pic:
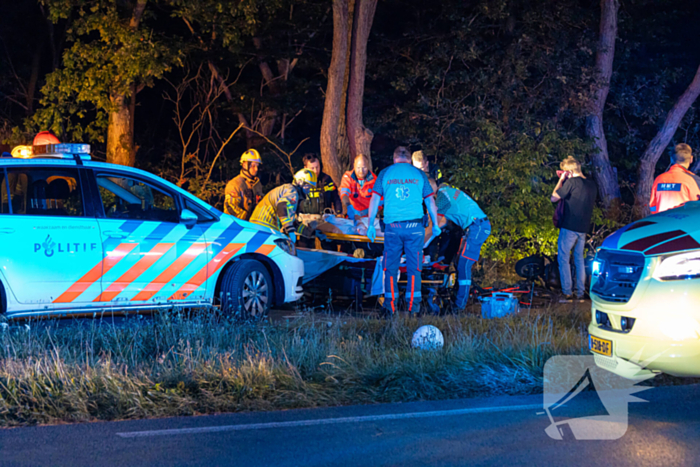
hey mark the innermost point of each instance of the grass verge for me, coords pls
(177, 364)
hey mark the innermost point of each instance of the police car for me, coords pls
(645, 293)
(79, 237)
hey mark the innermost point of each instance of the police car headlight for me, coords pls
(678, 267)
(286, 245)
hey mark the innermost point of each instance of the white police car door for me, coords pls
(50, 252)
(149, 254)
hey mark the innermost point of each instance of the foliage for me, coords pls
(493, 91)
(107, 57)
(650, 74)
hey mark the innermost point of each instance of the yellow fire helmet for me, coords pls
(306, 175)
(251, 155)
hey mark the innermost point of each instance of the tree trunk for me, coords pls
(653, 152)
(120, 129)
(342, 143)
(334, 92)
(359, 137)
(120, 132)
(605, 176)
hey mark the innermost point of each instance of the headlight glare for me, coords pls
(596, 267)
(680, 328)
(679, 267)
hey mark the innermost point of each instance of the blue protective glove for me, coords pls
(352, 212)
(436, 232)
(372, 232)
(293, 237)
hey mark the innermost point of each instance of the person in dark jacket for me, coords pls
(578, 194)
(325, 190)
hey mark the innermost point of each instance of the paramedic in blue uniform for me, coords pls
(455, 206)
(405, 188)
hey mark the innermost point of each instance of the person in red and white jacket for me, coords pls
(677, 185)
(356, 187)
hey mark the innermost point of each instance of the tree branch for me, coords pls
(657, 145)
(137, 15)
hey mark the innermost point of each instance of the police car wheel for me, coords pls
(247, 290)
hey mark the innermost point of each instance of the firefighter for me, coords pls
(244, 192)
(455, 206)
(405, 189)
(325, 193)
(677, 185)
(356, 187)
(278, 208)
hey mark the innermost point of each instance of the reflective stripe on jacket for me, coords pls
(674, 187)
(326, 189)
(278, 209)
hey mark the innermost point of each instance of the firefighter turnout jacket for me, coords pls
(242, 195)
(325, 195)
(674, 187)
(278, 209)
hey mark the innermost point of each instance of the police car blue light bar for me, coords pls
(63, 151)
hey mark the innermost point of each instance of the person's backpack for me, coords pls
(558, 216)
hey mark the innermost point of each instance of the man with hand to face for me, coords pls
(404, 189)
(578, 195)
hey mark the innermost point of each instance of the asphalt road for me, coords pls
(501, 431)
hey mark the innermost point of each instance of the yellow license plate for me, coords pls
(601, 346)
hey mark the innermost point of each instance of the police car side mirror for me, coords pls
(188, 218)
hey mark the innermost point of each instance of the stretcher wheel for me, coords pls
(246, 290)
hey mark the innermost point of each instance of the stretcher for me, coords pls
(345, 267)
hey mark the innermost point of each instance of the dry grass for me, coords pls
(185, 365)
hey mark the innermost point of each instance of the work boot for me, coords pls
(385, 313)
(566, 298)
(416, 309)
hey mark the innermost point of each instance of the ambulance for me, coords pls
(645, 294)
(80, 237)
